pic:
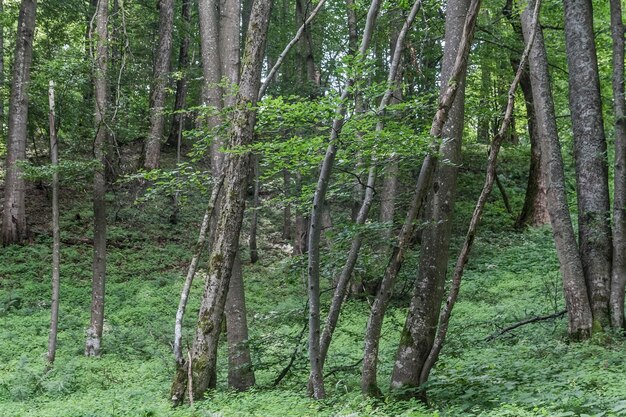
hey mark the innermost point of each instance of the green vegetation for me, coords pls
(531, 371)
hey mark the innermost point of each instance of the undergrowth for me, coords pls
(531, 371)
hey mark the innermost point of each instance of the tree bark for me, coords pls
(14, 229)
(181, 83)
(419, 329)
(287, 223)
(1, 71)
(256, 203)
(576, 300)
(618, 274)
(224, 248)
(56, 245)
(240, 370)
(594, 230)
(94, 332)
(159, 87)
(316, 377)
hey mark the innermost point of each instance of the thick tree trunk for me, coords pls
(181, 83)
(316, 378)
(594, 230)
(94, 332)
(56, 245)
(576, 300)
(208, 14)
(419, 329)
(240, 371)
(618, 274)
(159, 87)
(224, 248)
(14, 228)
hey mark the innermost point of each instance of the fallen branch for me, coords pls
(343, 368)
(522, 323)
(294, 354)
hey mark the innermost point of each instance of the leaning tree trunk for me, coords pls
(592, 183)
(159, 87)
(224, 249)
(14, 215)
(618, 274)
(576, 300)
(421, 322)
(340, 293)
(316, 378)
(94, 332)
(181, 83)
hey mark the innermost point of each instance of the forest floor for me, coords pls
(531, 371)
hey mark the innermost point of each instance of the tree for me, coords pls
(592, 178)
(419, 329)
(618, 274)
(14, 229)
(223, 252)
(94, 332)
(158, 92)
(576, 300)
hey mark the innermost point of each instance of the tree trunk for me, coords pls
(254, 222)
(159, 87)
(181, 83)
(419, 329)
(224, 248)
(208, 14)
(618, 275)
(576, 300)
(286, 232)
(2, 71)
(535, 209)
(94, 332)
(14, 228)
(240, 371)
(56, 245)
(594, 230)
(316, 377)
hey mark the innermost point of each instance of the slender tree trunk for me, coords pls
(287, 223)
(618, 275)
(316, 377)
(256, 203)
(576, 300)
(56, 245)
(2, 71)
(535, 209)
(592, 182)
(421, 322)
(159, 87)
(224, 249)
(94, 332)
(14, 228)
(300, 246)
(191, 272)
(181, 83)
